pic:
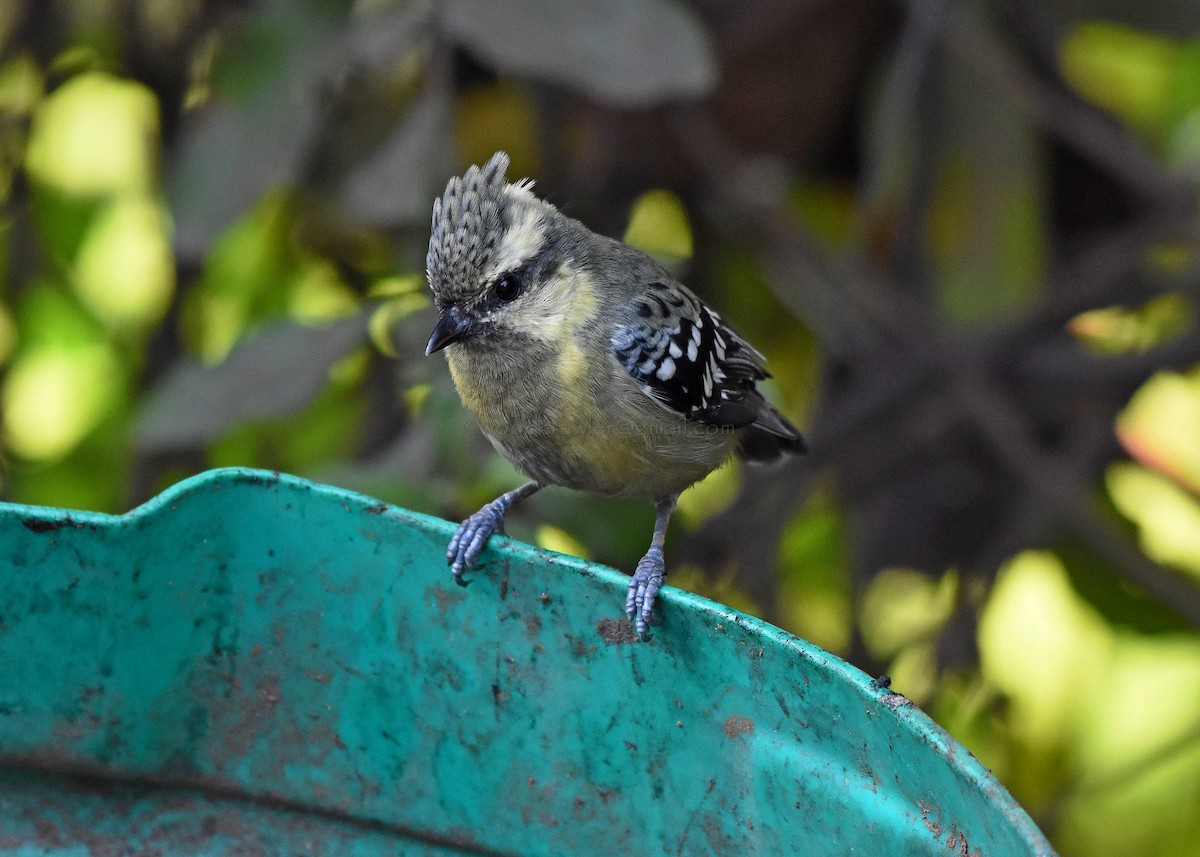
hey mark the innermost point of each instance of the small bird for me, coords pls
(586, 363)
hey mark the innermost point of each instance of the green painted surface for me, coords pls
(253, 655)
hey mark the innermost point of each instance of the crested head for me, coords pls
(483, 227)
(504, 266)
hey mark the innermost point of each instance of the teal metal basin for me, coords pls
(256, 664)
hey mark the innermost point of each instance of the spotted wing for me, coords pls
(684, 357)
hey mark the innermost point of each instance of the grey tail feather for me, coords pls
(769, 438)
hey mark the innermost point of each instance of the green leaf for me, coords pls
(1122, 70)
(986, 224)
(630, 53)
(394, 185)
(1110, 591)
(1161, 424)
(814, 579)
(272, 374)
(235, 150)
(658, 224)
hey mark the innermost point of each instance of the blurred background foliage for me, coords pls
(964, 233)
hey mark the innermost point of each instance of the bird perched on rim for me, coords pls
(586, 363)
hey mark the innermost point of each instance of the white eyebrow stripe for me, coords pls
(520, 243)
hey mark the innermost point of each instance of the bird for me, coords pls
(586, 364)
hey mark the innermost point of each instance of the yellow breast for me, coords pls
(571, 417)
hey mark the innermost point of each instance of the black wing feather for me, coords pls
(684, 357)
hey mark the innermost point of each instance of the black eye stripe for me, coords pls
(524, 277)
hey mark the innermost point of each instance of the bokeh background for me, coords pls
(964, 232)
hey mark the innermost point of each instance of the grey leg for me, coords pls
(648, 578)
(474, 532)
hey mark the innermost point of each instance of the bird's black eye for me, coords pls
(507, 287)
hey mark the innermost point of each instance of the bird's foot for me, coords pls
(643, 589)
(472, 535)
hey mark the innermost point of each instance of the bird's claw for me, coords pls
(469, 540)
(643, 589)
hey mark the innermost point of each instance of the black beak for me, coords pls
(452, 326)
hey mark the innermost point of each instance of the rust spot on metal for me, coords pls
(580, 648)
(615, 631)
(269, 691)
(719, 842)
(680, 849)
(935, 826)
(37, 525)
(445, 600)
(956, 841)
(377, 509)
(533, 625)
(256, 718)
(782, 703)
(735, 726)
(863, 756)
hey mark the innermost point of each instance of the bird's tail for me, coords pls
(769, 437)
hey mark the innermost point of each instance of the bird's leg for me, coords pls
(473, 533)
(648, 578)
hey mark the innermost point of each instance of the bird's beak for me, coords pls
(452, 326)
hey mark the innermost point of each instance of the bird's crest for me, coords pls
(468, 221)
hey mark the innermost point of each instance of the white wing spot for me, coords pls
(666, 371)
(693, 349)
(675, 350)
